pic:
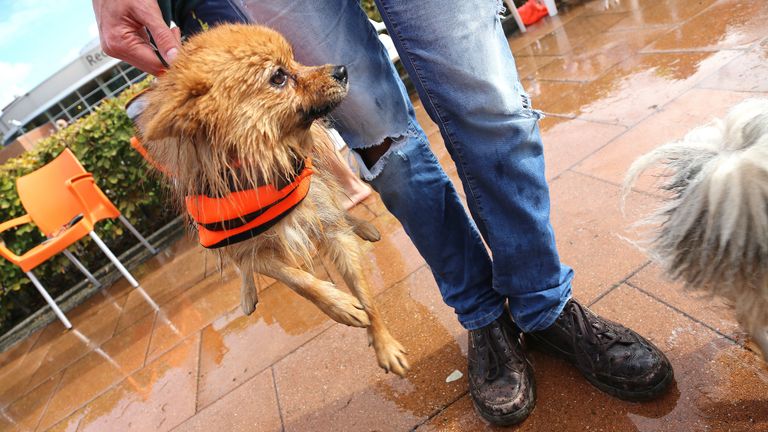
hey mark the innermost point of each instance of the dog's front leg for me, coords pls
(345, 253)
(249, 298)
(337, 304)
(364, 230)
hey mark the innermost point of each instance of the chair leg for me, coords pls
(81, 267)
(516, 15)
(49, 300)
(551, 7)
(136, 234)
(114, 259)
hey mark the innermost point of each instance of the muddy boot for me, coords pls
(612, 357)
(501, 379)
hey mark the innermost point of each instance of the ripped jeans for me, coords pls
(458, 58)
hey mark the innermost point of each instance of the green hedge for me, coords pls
(369, 6)
(101, 142)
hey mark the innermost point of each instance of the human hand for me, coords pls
(122, 31)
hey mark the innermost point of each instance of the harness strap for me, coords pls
(242, 215)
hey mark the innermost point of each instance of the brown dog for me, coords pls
(235, 112)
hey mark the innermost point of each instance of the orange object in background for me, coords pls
(532, 12)
(63, 200)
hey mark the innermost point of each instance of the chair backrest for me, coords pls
(51, 203)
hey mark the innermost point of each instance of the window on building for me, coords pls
(36, 122)
(133, 74)
(77, 109)
(55, 111)
(70, 100)
(93, 98)
(87, 88)
(116, 84)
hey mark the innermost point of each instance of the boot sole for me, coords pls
(512, 418)
(628, 395)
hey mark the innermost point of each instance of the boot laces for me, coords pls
(499, 351)
(597, 332)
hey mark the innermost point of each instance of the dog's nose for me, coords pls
(339, 73)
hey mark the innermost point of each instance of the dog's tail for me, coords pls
(712, 232)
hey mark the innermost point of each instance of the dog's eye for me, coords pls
(279, 78)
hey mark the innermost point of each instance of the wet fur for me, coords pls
(215, 118)
(713, 230)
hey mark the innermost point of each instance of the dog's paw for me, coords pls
(346, 309)
(390, 354)
(248, 303)
(366, 231)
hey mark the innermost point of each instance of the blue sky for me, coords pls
(38, 37)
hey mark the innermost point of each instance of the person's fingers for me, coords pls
(137, 52)
(177, 33)
(166, 40)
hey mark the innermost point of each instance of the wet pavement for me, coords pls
(615, 83)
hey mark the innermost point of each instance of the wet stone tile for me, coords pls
(727, 24)
(158, 397)
(94, 327)
(662, 13)
(95, 373)
(747, 72)
(570, 141)
(236, 347)
(570, 36)
(592, 58)
(181, 270)
(24, 414)
(713, 312)
(589, 227)
(334, 383)
(252, 407)
(694, 108)
(193, 310)
(637, 87)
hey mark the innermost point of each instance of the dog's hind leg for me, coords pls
(249, 298)
(761, 337)
(364, 230)
(337, 304)
(343, 250)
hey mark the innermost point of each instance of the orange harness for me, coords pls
(241, 215)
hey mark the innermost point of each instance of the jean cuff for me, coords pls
(549, 318)
(482, 319)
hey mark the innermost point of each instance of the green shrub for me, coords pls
(101, 143)
(369, 6)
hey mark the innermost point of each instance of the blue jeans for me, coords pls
(458, 58)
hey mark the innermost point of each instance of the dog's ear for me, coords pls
(175, 108)
(196, 86)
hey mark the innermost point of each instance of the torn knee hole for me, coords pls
(371, 155)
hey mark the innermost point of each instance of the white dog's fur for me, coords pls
(712, 232)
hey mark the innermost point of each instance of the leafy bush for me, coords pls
(369, 6)
(101, 143)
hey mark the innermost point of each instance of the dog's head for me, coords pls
(236, 97)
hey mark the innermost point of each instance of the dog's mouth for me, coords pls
(316, 112)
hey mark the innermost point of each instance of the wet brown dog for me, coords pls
(235, 108)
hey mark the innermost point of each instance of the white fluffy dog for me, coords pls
(712, 232)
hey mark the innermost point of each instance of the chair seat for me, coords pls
(52, 246)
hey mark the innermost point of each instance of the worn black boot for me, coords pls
(501, 379)
(612, 357)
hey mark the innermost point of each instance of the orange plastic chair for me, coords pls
(63, 200)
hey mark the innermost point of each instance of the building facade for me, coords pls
(70, 93)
